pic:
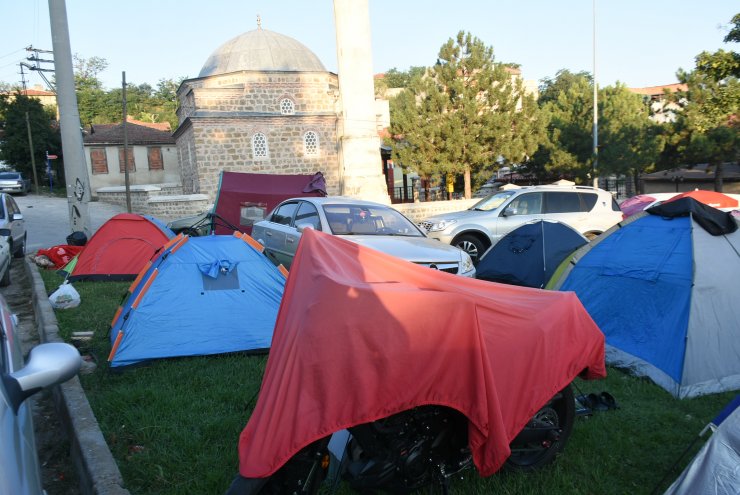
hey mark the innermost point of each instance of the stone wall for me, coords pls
(221, 114)
(226, 145)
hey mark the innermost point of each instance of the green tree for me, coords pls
(709, 122)
(14, 147)
(466, 115)
(567, 106)
(630, 142)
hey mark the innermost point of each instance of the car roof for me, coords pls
(552, 187)
(338, 200)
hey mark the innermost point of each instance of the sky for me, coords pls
(639, 43)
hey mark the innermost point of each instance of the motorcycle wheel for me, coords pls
(301, 475)
(531, 451)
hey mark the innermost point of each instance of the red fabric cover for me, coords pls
(267, 189)
(711, 198)
(362, 335)
(121, 246)
(60, 255)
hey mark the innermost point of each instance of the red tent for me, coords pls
(246, 198)
(710, 198)
(362, 335)
(119, 249)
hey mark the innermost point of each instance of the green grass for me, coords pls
(173, 425)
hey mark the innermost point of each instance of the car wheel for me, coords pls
(471, 245)
(20, 250)
(531, 449)
(5, 281)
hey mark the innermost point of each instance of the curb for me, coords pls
(96, 468)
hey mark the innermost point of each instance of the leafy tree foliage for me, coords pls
(631, 142)
(708, 126)
(14, 148)
(465, 115)
(567, 106)
(99, 106)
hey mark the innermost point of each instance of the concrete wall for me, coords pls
(142, 174)
(164, 201)
(417, 212)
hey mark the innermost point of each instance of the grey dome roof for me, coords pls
(261, 50)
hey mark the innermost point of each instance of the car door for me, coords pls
(521, 209)
(280, 226)
(15, 220)
(566, 207)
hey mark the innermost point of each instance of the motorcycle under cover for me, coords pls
(361, 335)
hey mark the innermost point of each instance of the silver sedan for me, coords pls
(370, 224)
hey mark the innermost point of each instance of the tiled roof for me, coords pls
(659, 90)
(137, 134)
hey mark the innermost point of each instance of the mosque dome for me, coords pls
(261, 50)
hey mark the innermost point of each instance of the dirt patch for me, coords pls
(57, 470)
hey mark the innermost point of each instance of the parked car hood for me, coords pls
(414, 249)
(456, 215)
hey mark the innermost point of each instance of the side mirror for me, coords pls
(303, 226)
(48, 365)
(509, 211)
(17, 216)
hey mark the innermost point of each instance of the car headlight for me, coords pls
(467, 263)
(441, 225)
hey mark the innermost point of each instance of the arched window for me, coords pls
(287, 107)
(259, 146)
(311, 143)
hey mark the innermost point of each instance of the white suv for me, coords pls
(588, 210)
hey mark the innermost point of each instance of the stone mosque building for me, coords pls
(262, 103)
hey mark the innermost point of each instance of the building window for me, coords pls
(287, 107)
(130, 156)
(154, 156)
(311, 143)
(99, 161)
(259, 146)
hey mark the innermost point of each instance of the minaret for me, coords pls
(359, 143)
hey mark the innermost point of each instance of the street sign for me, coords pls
(52, 157)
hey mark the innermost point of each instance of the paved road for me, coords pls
(47, 219)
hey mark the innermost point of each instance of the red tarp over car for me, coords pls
(362, 335)
(263, 191)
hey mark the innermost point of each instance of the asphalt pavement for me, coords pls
(47, 219)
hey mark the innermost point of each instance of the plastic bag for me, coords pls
(65, 297)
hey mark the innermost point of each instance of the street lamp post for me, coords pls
(596, 107)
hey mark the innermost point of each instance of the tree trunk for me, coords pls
(468, 192)
(718, 177)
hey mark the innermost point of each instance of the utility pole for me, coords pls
(33, 158)
(125, 145)
(75, 167)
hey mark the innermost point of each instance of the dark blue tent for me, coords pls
(529, 254)
(200, 296)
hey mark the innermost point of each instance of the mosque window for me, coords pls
(287, 107)
(311, 143)
(259, 146)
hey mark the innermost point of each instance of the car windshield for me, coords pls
(9, 175)
(359, 219)
(493, 201)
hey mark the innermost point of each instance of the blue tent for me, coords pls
(529, 254)
(662, 286)
(200, 296)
